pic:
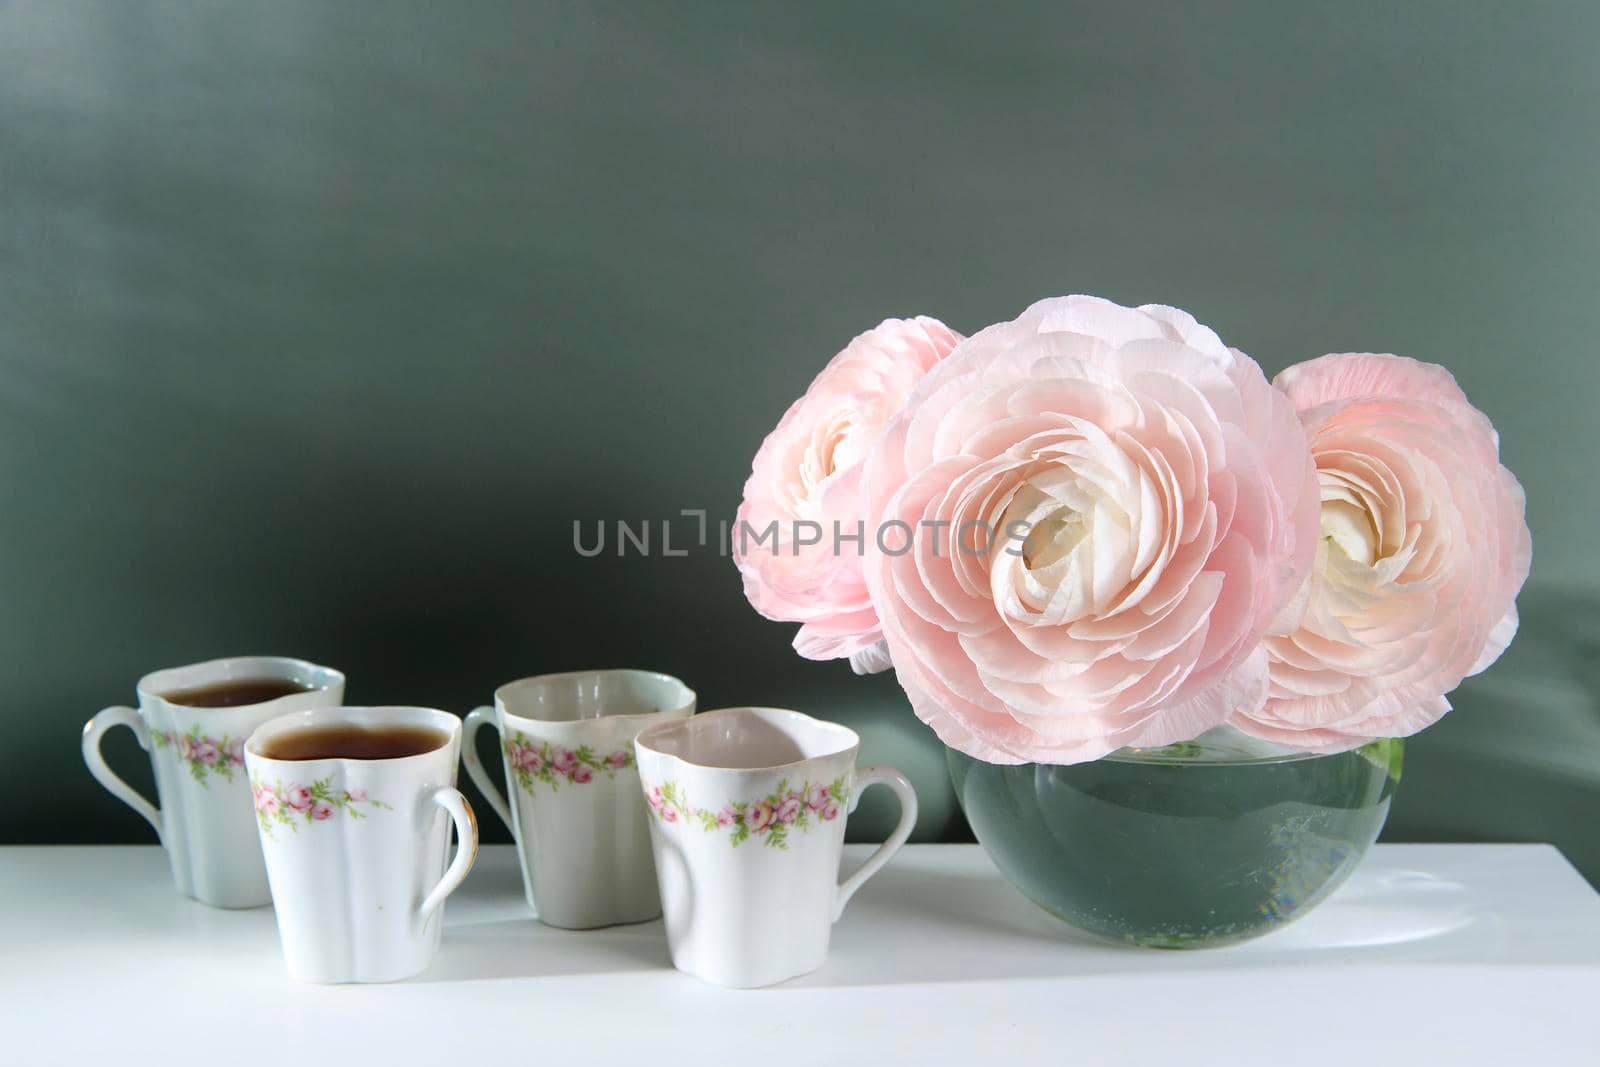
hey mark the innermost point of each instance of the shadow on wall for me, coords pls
(1519, 757)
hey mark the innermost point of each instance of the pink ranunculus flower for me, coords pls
(1169, 506)
(564, 761)
(789, 809)
(808, 471)
(358, 794)
(581, 774)
(617, 760)
(321, 810)
(1424, 548)
(830, 811)
(727, 817)
(759, 816)
(816, 797)
(298, 797)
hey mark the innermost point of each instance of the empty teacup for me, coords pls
(747, 816)
(354, 808)
(194, 721)
(566, 741)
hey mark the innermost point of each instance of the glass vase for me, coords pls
(1202, 843)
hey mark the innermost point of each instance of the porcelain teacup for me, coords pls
(356, 845)
(197, 752)
(747, 818)
(566, 742)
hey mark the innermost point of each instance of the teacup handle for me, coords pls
(879, 774)
(476, 719)
(451, 800)
(93, 731)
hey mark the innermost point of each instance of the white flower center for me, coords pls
(1054, 538)
(1079, 548)
(1348, 528)
(835, 445)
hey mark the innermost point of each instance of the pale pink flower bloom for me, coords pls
(265, 800)
(617, 760)
(758, 817)
(816, 797)
(186, 748)
(788, 809)
(808, 471)
(357, 795)
(726, 817)
(581, 774)
(321, 810)
(654, 797)
(206, 751)
(1170, 507)
(669, 813)
(830, 811)
(565, 759)
(1424, 548)
(298, 797)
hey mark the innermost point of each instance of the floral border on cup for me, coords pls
(204, 756)
(532, 759)
(318, 802)
(769, 818)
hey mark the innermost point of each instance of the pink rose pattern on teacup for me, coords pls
(531, 760)
(290, 805)
(769, 818)
(204, 756)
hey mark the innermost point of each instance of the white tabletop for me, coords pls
(1431, 954)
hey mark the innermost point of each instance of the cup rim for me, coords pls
(644, 741)
(417, 715)
(152, 687)
(687, 701)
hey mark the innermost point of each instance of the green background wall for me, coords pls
(321, 323)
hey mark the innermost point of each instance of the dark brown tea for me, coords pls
(236, 693)
(353, 742)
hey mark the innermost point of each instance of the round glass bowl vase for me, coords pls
(1197, 844)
